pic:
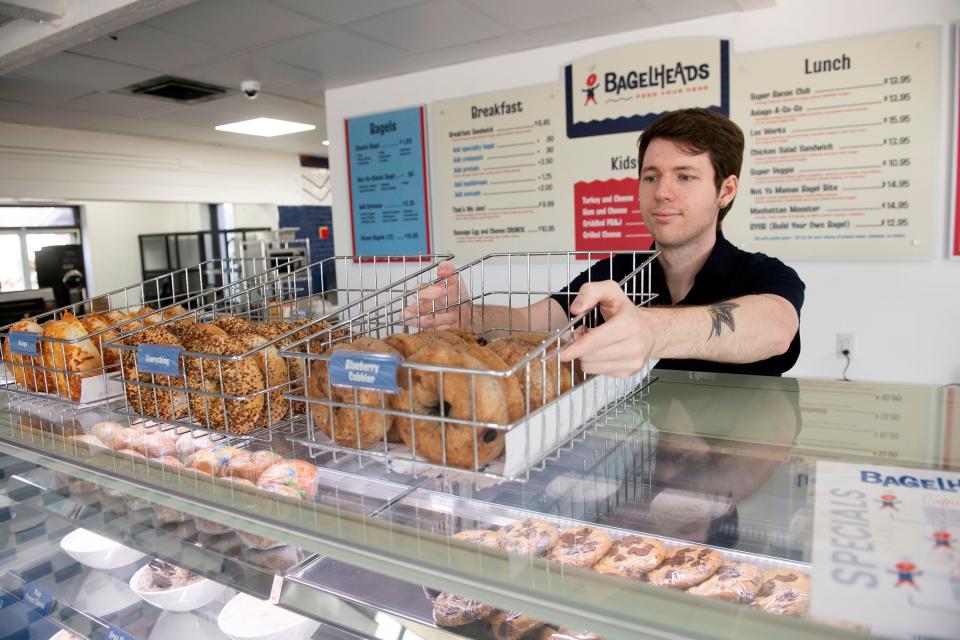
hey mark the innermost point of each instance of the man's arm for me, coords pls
(744, 329)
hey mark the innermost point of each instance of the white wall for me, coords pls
(63, 164)
(904, 315)
(111, 245)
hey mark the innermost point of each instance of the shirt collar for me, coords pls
(719, 260)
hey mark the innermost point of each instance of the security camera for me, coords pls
(250, 88)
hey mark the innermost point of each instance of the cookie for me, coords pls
(529, 537)
(512, 625)
(566, 634)
(736, 582)
(580, 546)
(482, 537)
(455, 611)
(783, 592)
(631, 557)
(685, 567)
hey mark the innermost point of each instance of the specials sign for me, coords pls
(626, 89)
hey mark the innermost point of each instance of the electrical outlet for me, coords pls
(844, 343)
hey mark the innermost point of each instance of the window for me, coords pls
(26, 229)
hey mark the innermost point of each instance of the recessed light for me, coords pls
(326, 143)
(266, 127)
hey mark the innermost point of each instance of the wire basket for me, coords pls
(217, 367)
(451, 406)
(62, 354)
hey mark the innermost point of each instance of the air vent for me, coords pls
(6, 19)
(175, 89)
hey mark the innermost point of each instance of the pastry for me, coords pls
(455, 611)
(248, 465)
(482, 537)
(214, 460)
(512, 625)
(192, 441)
(160, 576)
(783, 592)
(685, 567)
(580, 546)
(736, 582)
(631, 557)
(566, 634)
(348, 426)
(529, 537)
(476, 398)
(152, 444)
(298, 475)
(255, 541)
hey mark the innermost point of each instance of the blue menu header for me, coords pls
(388, 185)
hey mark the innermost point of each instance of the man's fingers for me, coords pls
(435, 320)
(607, 294)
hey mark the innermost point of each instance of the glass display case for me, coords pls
(725, 465)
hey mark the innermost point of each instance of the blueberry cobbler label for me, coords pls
(23, 343)
(159, 359)
(375, 371)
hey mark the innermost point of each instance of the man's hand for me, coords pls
(621, 345)
(442, 305)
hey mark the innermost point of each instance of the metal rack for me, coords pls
(205, 393)
(550, 418)
(75, 370)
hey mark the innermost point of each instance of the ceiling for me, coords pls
(297, 49)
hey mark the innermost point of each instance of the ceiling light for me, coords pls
(266, 127)
(326, 143)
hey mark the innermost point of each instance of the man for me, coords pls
(718, 308)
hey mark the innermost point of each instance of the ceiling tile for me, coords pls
(691, 9)
(532, 14)
(330, 51)
(593, 27)
(232, 71)
(197, 116)
(11, 111)
(121, 105)
(101, 75)
(425, 27)
(341, 11)
(37, 92)
(237, 25)
(150, 48)
(313, 90)
(268, 106)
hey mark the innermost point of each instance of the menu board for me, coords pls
(386, 164)
(885, 549)
(839, 148)
(495, 182)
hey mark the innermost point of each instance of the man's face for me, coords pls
(677, 194)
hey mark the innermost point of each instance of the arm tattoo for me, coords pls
(721, 314)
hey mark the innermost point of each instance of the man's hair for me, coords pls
(698, 131)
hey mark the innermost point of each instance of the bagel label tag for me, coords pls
(158, 358)
(359, 370)
(39, 597)
(113, 633)
(23, 343)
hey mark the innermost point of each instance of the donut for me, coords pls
(351, 427)
(296, 474)
(512, 625)
(247, 465)
(783, 592)
(274, 371)
(229, 377)
(455, 611)
(631, 557)
(164, 403)
(736, 582)
(512, 391)
(529, 537)
(465, 397)
(540, 387)
(482, 537)
(685, 567)
(580, 546)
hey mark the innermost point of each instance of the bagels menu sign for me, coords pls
(626, 89)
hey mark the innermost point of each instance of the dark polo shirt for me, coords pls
(728, 273)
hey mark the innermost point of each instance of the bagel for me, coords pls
(569, 373)
(165, 404)
(512, 390)
(274, 371)
(25, 368)
(74, 359)
(94, 322)
(241, 378)
(296, 367)
(350, 427)
(540, 387)
(235, 326)
(435, 440)
(457, 336)
(407, 344)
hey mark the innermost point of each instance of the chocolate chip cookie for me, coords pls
(631, 557)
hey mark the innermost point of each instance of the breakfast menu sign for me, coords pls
(886, 549)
